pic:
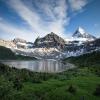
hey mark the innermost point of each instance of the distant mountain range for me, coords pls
(53, 46)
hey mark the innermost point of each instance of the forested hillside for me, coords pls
(7, 54)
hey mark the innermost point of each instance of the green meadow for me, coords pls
(80, 83)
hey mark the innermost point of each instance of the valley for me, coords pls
(81, 82)
(49, 50)
(53, 46)
(51, 68)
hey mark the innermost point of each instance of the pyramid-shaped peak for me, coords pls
(80, 33)
(52, 33)
(81, 30)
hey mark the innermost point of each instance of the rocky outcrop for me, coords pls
(50, 40)
(8, 44)
(16, 40)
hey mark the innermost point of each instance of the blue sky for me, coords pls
(28, 19)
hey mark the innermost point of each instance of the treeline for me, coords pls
(7, 54)
(22, 84)
(89, 59)
(12, 80)
(13, 84)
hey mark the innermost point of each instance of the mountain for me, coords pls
(89, 59)
(80, 34)
(7, 54)
(49, 46)
(73, 49)
(16, 40)
(49, 41)
(16, 43)
(8, 44)
(21, 43)
(54, 46)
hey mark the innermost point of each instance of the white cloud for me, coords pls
(56, 11)
(49, 16)
(77, 5)
(16, 31)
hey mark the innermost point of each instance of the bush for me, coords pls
(6, 89)
(72, 89)
(17, 84)
(97, 91)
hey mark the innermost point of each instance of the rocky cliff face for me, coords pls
(53, 46)
(21, 43)
(16, 40)
(50, 40)
(73, 49)
(8, 44)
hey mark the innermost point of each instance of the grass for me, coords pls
(57, 90)
(21, 84)
(44, 86)
(89, 59)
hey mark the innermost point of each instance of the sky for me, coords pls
(28, 19)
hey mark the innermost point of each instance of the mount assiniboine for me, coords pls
(80, 33)
(53, 46)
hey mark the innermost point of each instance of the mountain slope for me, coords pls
(86, 60)
(80, 33)
(53, 46)
(7, 54)
(50, 40)
(8, 44)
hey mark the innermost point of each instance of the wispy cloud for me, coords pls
(77, 5)
(15, 31)
(55, 11)
(42, 16)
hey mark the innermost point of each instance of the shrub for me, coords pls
(6, 89)
(17, 84)
(72, 89)
(97, 91)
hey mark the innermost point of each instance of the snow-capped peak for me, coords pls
(81, 30)
(81, 33)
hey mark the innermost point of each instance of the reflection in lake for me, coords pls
(40, 65)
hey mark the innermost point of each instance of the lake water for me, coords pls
(40, 65)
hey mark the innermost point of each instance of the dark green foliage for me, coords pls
(72, 89)
(23, 75)
(97, 91)
(7, 54)
(17, 84)
(26, 85)
(89, 59)
(22, 84)
(6, 89)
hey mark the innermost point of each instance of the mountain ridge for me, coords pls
(54, 46)
(50, 40)
(81, 33)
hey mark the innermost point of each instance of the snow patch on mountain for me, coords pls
(38, 52)
(8, 44)
(80, 36)
(54, 47)
(81, 33)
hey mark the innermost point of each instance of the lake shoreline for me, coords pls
(48, 65)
